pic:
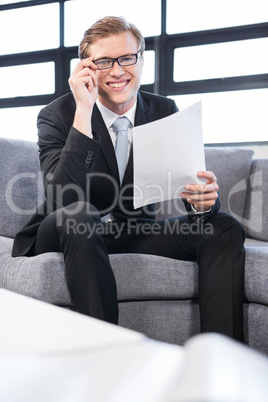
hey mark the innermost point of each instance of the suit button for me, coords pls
(88, 159)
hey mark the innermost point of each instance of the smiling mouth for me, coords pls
(117, 84)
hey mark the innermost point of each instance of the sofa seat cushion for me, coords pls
(138, 276)
(152, 277)
(41, 277)
(255, 324)
(172, 321)
(254, 242)
(256, 274)
(255, 219)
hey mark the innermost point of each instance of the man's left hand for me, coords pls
(202, 196)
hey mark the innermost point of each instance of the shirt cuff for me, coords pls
(195, 212)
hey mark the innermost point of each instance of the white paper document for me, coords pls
(168, 153)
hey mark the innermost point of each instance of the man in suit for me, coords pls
(89, 212)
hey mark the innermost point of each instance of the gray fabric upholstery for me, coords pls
(152, 277)
(256, 324)
(256, 211)
(161, 278)
(256, 274)
(231, 167)
(157, 295)
(171, 320)
(41, 277)
(21, 184)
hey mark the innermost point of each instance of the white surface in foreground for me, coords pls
(49, 354)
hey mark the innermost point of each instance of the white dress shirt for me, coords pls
(109, 117)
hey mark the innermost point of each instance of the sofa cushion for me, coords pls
(256, 211)
(255, 325)
(231, 167)
(256, 274)
(152, 277)
(169, 321)
(21, 184)
(41, 277)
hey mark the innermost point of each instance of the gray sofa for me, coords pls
(157, 296)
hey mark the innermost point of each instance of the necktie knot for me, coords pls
(121, 126)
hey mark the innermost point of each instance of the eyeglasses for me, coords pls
(124, 61)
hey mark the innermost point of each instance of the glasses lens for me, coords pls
(127, 60)
(104, 63)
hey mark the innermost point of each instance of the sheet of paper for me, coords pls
(168, 153)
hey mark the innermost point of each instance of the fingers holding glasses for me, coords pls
(85, 68)
(83, 82)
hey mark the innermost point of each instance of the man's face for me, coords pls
(118, 85)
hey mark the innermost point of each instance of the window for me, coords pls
(26, 116)
(30, 79)
(195, 15)
(231, 117)
(78, 21)
(227, 59)
(27, 29)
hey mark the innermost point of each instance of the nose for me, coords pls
(116, 70)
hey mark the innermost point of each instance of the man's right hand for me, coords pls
(84, 85)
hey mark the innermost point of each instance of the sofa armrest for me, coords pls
(255, 220)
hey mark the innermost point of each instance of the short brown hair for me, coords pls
(105, 27)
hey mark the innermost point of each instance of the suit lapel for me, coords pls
(106, 145)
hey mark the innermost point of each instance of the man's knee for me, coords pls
(224, 222)
(78, 213)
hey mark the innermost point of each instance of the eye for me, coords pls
(103, 62)
(127, 59)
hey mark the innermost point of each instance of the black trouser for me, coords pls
(216, 245)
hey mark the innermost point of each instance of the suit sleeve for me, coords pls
(201, 217)
(67, 159)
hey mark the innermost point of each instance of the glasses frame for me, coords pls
(117, 60)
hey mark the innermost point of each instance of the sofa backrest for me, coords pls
(255, 219)
(20, 183)
(232, 168)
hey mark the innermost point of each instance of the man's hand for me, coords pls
(202, 196)
(84, 84)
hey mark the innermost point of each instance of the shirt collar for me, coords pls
(109, 117)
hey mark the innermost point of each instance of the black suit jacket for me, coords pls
(76, 167)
